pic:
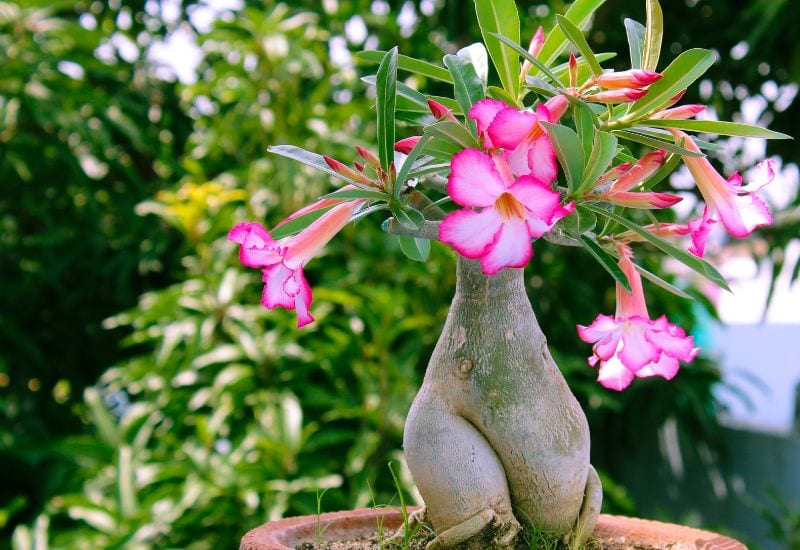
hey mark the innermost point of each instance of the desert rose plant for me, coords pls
(563, 151)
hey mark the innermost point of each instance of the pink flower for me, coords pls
(697, 229)
(634, 78)
(483, 113)
(739, 208)
(630, 344)
(282, 261)
(512, 211)
(526, 145)
(622, 95)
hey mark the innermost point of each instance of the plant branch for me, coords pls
(429, 230)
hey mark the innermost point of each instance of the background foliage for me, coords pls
(195, 414)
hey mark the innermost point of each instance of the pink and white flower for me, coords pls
(282, 261)
(739, 208)
(697, 229)
(512, 211)
(630, 344)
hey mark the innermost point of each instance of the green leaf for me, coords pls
(568, 150)
(603, 152)
(718, 127)
(692, 262)
(452, 132)
(652, 36)
(606, 260)
(414, 248)
(501, 17)
(501, 95)
(524, 53)
(635, 32)
(408, 217)
(580, 221)
(352, 194)
(655, 279)
(441, 149)
(656, 143)
(418, 98)
(409, 64)
(580, 14)
(295, 225)
(665, 135)
(685, 69)
(584, 124)
(575, 35)
(308, 158)
(408, 163)
(386, 86)
(467, 85)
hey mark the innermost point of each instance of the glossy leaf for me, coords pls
(685, 69)
(414, 248)
(452, 132)
(408, 217)
(309, 159)
(654, 31)
(409, 64)
(386, 89)
(635, 32)
(658, 281)
(580, 14)
(656, 143)
(692, 262)
(575, 35)
(580, 221)
(501, 17)
(603, 152)
(568, 150)
(507, 42)
(467, 85)
(718, 127)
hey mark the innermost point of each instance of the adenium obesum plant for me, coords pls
(568, 152)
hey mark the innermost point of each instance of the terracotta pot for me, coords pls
(614, 531)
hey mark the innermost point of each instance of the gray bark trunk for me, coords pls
(494, 426)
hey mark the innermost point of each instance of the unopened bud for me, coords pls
(533, 49)
(623, 95)
(406, 145)
(368, 156)
(438, 110)
(573, 70)
(634, 78)
(679, 113)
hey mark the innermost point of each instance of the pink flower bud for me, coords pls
(622, 95)
(406, 145)
(533, 49)
(368, 156)
(634, 78)
(438, 110)
(679, 113)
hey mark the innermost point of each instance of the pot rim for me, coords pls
(287, 533)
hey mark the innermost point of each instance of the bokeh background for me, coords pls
(148, 401)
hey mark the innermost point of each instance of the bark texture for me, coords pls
(494, 433)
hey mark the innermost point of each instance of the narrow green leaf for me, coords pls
(568, 150)
(652, 36)
(467, 85)
(584, 124)
(352, 194)
(408, 164)
(295, 225)
(309, 159)
(441, 149)
(580, 14)
(501, 17)
(606, 260)
(477, 55)
(452, 132)
(410, 64)
(656, 143)
(692, 262)
(655, 279)
(635, 32)
(436, 168)
(386, 87)
(603, 152)
(524, 53)
(718, 127)
(414, 248)
(665, 135)
(575, 35)
(685, 69)
(586, 107)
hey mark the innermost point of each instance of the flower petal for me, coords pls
(275, 295)
(602, 326)
(302, 299)
(666, 367)
(542, 159)
(484, 111)
(469, 232)
(511, 126)
(636, 350)
(256, 246)
(512, 247)
(474, 180)
(613, 375)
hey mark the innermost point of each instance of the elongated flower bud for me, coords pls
(679, 113)
(407, 144)
(438, 110)
(642, 170)
(557, 106)
(368, 156)
(573, 70)
(634, 78)
(533, 49)
(346, 171)
(622, 95)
